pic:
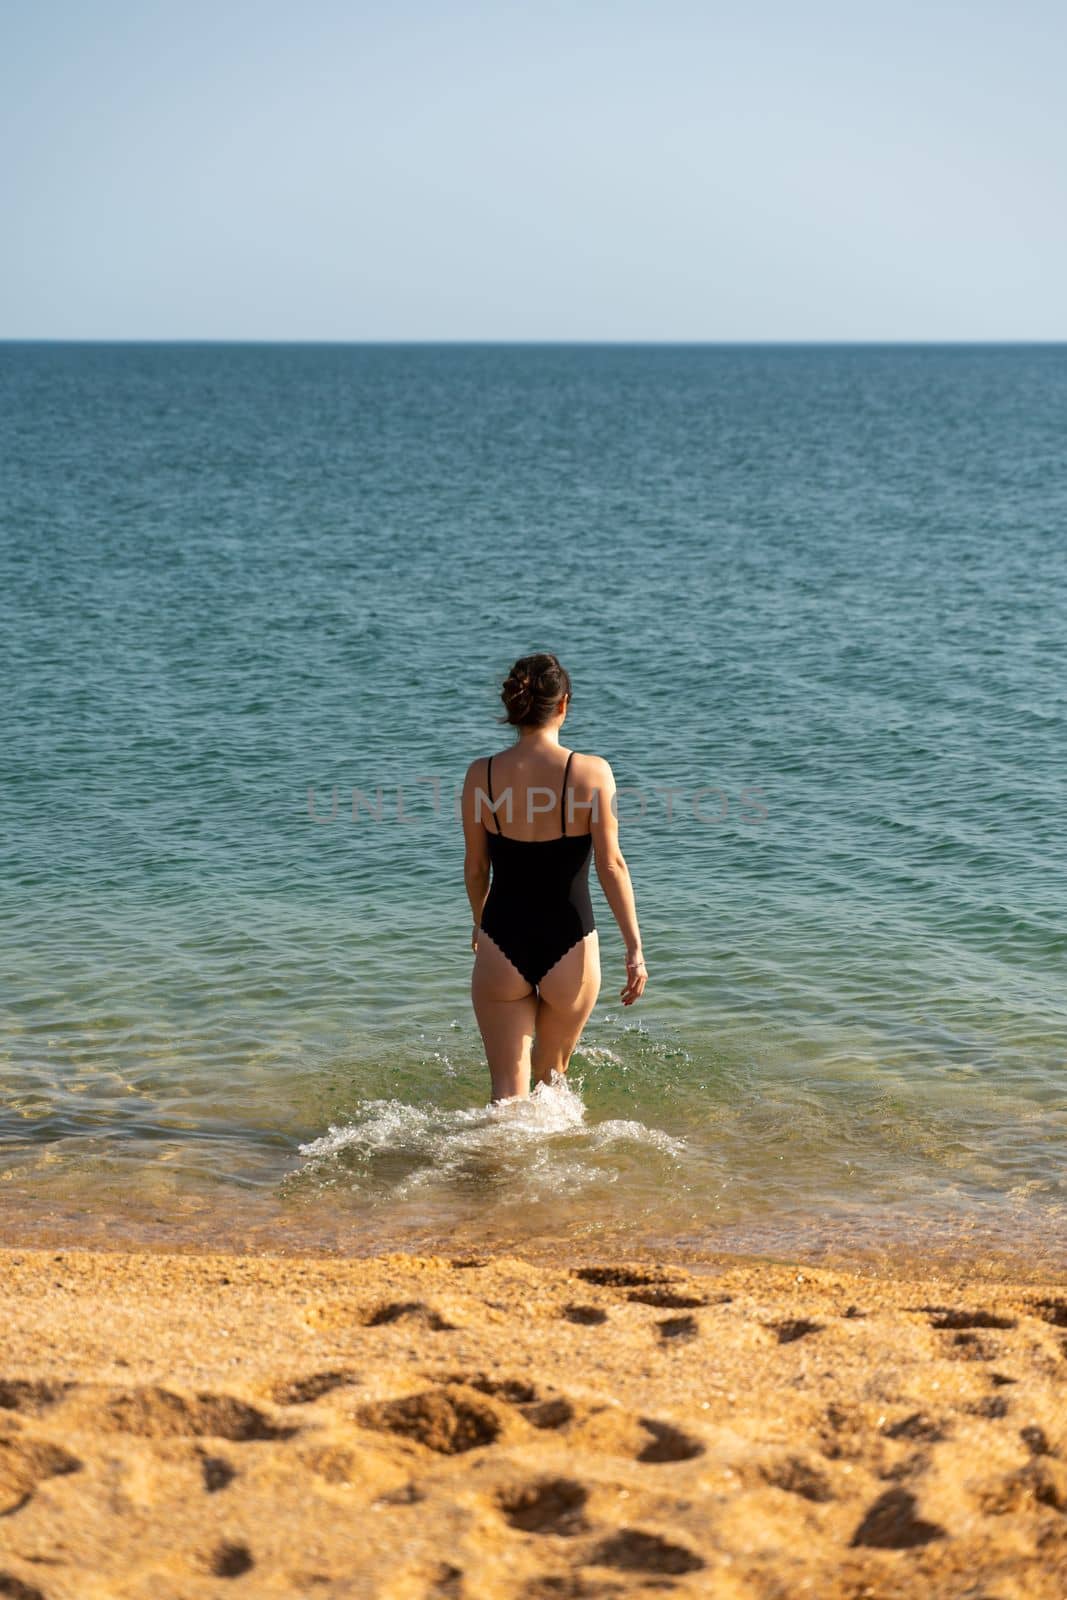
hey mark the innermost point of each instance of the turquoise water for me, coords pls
(828, 583)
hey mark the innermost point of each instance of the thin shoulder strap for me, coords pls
(563, 795)
(489, 786)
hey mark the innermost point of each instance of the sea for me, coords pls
(256, 603)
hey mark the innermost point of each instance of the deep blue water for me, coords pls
(814, 603)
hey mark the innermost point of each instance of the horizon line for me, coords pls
(547, 343)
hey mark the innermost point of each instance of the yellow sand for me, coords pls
(177, 1426)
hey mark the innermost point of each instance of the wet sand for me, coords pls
(178, 1426)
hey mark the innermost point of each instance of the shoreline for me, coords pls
(912, 1250)
(488, 1425)
(107, 1234)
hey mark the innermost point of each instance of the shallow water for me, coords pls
(827, 583)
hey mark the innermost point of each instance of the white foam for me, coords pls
(542, 1141)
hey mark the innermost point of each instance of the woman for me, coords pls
(537, 962)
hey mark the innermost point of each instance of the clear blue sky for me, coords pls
(533, 169)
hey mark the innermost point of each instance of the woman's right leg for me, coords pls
(567, 995)
(505, 1006)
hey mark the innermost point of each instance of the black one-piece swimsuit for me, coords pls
(538, 905)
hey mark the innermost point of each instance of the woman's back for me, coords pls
(538, 905)
(534, 795)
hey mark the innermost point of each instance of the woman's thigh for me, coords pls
(505, 1007)
(567, 995)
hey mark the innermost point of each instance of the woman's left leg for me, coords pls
(567, 994)
(505, 1006)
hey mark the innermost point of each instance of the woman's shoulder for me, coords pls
(592, 768)
(477, 769)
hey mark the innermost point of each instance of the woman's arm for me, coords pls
(476, 848)
(614, 877)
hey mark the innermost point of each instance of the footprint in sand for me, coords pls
(663, 1441)
(797, 1476)
(951, 1317)
(667, 1443)
(549, 1414)
(573, 1586)
(892, 1523)
(29, 1395)
(840, 1435)
(544, 1412)
(229, 1559)
(585, 1316)
(304, 1391)
(154, 1413)
(546, 1506)
(634, 1550)
(1041, 1481)
(217, 1473)
(680, 1328)
(622, 1278)
(515, 1391)
(25, 1463)
(793, 1328)
(447, 1421)
(666, 1299)
(968, 1347)
(452, 1418)
(336, 1314)
(993, 1406)
(916, 1425)
(646, 1288)
(398, 1310)
(13, 1588)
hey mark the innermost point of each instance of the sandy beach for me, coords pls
(177, 1426)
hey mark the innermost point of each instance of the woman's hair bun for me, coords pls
(533, 690)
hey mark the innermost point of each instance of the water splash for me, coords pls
(534, 1144)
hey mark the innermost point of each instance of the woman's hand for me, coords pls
(636, 978)
(474, 938)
